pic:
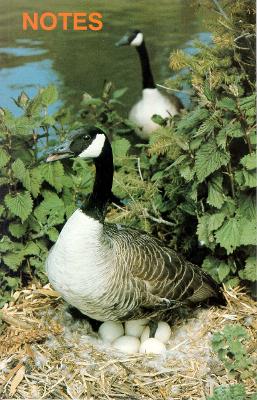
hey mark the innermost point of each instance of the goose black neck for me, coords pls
(102, 189)
(148, 81)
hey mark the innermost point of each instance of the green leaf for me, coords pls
(23, 126)
(227, 104)
(158, 119)
(229, 207)
(49, 95)
(204, 232)
(120, 148)
(31, 249)
(245, 178)
(223, 271)
(221, 139)
(119, 93)
(187, 172)
(234, 129)
(249, 161)
(248, 102)
(247, 207)
(215, 221)
(209, 158)
(1, 210)
(211, 266)
(17, 230)
(53, 174)
(6, 244)
(13, 283)
(231, 392)
(248, 231)
(228, 236)
(48, 120)
(20, 204)
(250, 270)
(18, 168)
(195, 143)
(51, 208)
(207, 126)
(233, 282)
(13, 260)
(192, 193)
(216, 196)
(178, 161)
(53, 234)
(35, 181)
(35, 105)
(253, 138)
(4, 181)
(4, 158)
(31, 179)
(192, 119)
(157, 175)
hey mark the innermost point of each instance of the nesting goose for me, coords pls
(109, 271)
(152, 101)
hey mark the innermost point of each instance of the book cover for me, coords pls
(127, 199)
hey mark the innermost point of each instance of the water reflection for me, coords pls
(28, 77)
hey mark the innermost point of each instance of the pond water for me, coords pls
(80, 61)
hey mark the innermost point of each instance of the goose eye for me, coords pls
(87, 137)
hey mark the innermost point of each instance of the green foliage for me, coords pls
(230, 348)
(36, 198)
(231, 392)
(197, 176)
(216, 165)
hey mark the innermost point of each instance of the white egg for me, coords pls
(127, 344)
(145, 334)
(135, 327)
(163, 332)
(110, 330)
(152, 346)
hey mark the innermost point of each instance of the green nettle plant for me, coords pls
(230, 345)
(36, 198)
(217, 143)
(231, 392)
(204, 163)
(230, 348)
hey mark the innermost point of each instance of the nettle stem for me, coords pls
(12, 186)
(244, 128)
(248, 141)
(230, 174)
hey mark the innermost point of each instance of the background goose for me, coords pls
(113, 272)
(152, 101)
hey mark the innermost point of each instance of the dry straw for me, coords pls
(45, 354)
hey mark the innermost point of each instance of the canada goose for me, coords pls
(114, 272)
(152, 101)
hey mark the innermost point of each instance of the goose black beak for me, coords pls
(59, 152)
(125, 40)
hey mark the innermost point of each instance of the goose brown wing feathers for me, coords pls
(165, 273)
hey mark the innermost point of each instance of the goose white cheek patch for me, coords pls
(95, 148)
(138, 40)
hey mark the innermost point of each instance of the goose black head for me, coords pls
(85, 142)
(133, 37)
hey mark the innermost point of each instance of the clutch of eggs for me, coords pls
(136, 338)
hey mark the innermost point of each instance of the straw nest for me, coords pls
(45, 354)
